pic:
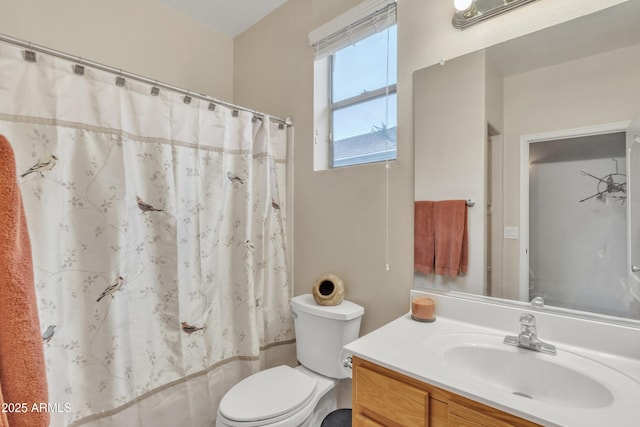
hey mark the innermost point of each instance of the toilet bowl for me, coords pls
(297, 397)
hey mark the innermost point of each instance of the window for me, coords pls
(363, 101)
(355, 107)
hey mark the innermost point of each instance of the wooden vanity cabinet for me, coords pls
(385, 398)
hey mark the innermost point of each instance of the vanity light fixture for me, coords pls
(465, 6)
(471, 12)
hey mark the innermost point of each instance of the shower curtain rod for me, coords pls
(81, 61)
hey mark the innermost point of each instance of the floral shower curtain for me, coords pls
(158, 236)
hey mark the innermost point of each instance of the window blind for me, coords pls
(364, 20)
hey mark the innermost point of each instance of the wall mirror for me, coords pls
(536, 131)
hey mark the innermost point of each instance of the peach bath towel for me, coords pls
(451, 241)
(424, 237)
(22, 369)
(3, 416)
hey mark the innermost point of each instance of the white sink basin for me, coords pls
(566, 379)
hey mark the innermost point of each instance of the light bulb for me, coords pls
(462, 5)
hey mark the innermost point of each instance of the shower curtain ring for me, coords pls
(29, 54)
(119, 79)
(78, 68)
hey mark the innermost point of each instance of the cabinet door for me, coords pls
(389, 401)
(363, 421)
(457, 421)
(438, 412)
(382, 397)
(463, 415)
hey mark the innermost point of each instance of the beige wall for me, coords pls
(142, 36)
(493, 232)
(452, 147)
(339, 223)
(340, 214)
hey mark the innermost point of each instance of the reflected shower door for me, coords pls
(633, 188)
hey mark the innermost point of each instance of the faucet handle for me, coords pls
(528, 320)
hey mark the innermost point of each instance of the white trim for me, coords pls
(497, 215)
(525, 140)
(361, 11)
(633, 132)
(321, 117)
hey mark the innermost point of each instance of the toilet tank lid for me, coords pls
(346, 310)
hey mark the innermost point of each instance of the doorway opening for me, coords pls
(575, 209)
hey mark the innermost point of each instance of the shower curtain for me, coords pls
(158, 232)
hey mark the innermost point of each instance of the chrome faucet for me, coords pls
(528, 336)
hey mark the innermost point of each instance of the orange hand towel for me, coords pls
(3, 416)
(424, 237)
(22, 369)
(451, 241)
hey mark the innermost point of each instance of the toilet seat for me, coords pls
(267, 397)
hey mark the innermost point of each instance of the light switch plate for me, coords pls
(510, 232)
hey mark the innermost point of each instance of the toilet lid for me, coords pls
(268, 394)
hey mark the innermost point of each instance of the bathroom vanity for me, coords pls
(457, 371)
(383, 397)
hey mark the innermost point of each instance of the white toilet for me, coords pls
(293, 397)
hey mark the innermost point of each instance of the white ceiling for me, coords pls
(230, 17)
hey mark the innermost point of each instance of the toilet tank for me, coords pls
(322, 331)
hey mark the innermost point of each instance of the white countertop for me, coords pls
(403, 346)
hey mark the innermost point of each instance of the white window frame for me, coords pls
(366, 19)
